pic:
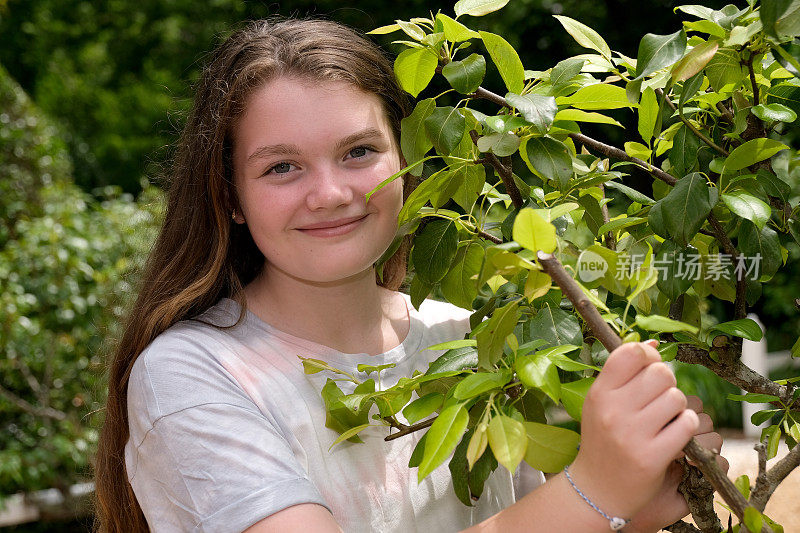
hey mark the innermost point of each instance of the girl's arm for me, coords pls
(305, 517)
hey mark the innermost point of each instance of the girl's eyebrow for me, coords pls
(292, 149)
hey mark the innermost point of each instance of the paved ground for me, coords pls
(784, 506)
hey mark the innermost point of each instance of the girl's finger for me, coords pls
(658, 413)
(648, 385)
(695, 403)
(626, 362)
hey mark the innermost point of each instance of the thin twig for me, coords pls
(697, 133)
(753, 81)
(616, 153)
(775, 476)
(505, 173)
(762, 483)
(490, 237)
(47, 412)
(611, 241)
(404, 429)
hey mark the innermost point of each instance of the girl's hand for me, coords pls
(635, 422)
(668, 506)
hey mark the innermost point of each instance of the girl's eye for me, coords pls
(360, 151)
(280, 168)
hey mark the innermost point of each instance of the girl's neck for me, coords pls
(354, 315)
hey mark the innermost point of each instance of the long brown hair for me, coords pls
(200, 255)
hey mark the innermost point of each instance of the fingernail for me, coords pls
(652, 342)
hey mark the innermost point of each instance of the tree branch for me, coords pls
(616, 153)
(697, 133)
(735, 372)
(47, 412)
(404, 429)
(489, 95)
(504, 172)
(611, 242)
(774, 476)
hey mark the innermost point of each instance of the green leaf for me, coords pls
(743, 484)
(465, 76)
(671, 259)
(500, 144)
(762, 242)
(597, 96)
(349, 434)
(450, 345)
(453, 360)
(781, 18)
(548, 157)
(774, 112)
(698, 11)
(538, 371)
(593, 214)
(538, 110)
(434, 250)
(690, 88)
(478, 8)
(786, 94)
(724, 71)
(383, 30)
(620, 223)
(469, 473)
(556, 326)
(573, 395)
(753, 519)
(659, 51)
(648, 114)
(454, 31)
(477, 444)
(633, 194)
(459, 286)
(446, 127)
(415, 68)
(419, 450)
(796, 348)
(753, 397)
(760, 417)
(506, 60)
(414, 141)
(694, 62)
(579, 115)
(584, 35)
(745, 328)
(533, 232)
(564, 71)
(423, 407)
(419, 290)
(508, 441)
(686, 207)
(773, 436)
(550, 448)
(476, 384)
(752, 152)
(443, 436)
(412, 30)
(638, 150)
(683, 155)
(491, 338)
(663, 324)
(748, 207)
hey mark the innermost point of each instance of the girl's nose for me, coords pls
(329, 188)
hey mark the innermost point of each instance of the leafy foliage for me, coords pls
(718, 227)
(63, 263)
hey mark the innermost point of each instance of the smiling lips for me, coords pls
(333, 228)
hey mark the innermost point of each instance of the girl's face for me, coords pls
(305, 155)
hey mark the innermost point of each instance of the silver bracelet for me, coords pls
(614, 522)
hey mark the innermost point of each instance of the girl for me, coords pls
(267, 253)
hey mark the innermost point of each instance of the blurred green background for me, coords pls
(92, 94)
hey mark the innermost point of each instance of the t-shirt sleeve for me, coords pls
(210, 462)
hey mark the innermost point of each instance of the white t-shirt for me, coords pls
(226, 429)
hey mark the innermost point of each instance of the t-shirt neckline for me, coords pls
(408, 346)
